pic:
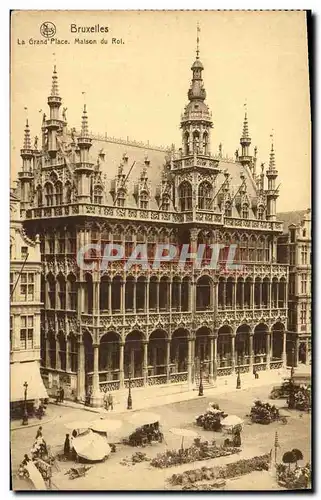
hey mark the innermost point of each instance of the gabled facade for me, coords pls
(156, 324)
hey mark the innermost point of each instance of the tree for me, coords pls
(289, 458)
(298, 455)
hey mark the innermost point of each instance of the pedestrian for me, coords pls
(62, 395)
(67, 447)
(110, 402)
(39, 432)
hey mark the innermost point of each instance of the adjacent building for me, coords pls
(154, 325)
(294, 247)
(25, 278)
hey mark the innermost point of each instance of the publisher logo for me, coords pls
(48, 29)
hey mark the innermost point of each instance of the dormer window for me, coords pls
(98, 195)
(143, 200)
(228, 209)
(245, 211)
(165, 203)
(205, 195)
(120, 202)
(260, 212)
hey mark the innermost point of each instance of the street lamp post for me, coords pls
(292, 367)
(238, 380)
(25, 411)
(201, 389)
(129, 399)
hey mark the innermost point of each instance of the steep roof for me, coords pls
(292, 217)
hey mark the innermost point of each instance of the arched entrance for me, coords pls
(133, 357)
(157, 362)
(259, 344)
(278, 332)
(224, 347)
(109, 357)
(179, 352)
(202, 352)
(242, 346)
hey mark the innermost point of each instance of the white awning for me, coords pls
(26, 372)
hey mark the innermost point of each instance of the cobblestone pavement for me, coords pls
(256, 439)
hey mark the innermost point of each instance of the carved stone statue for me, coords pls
(36, 143)
(64, 116)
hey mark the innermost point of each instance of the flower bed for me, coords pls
(198, 451)
(296, 479)
(300, 398)
(239, 468)
(264, 413)
(211, 421)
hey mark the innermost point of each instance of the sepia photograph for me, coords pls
(160, 250)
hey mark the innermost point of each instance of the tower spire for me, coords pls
(245, 141)
(27, 140)
(272, 154)
(198, 30)
(84, 123)
(54, 86)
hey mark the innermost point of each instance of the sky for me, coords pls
(138, 88)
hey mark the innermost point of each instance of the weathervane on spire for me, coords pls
(198, 29)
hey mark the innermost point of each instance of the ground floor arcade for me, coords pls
(161, 359)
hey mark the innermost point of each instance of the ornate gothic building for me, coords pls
(159, 325)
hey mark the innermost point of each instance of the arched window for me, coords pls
(260, 249)
(205, 195)
(185, 196)
(165, 203)
(252, 249)
(143, 200)
(39, 196)
(205, 143)
(98, 195)
(68, 192)
(228, 209)
(196, 141)
(245, 211)
(58, 187)
(49, 194)
(121, 195)
(186, 143)
(260, 212)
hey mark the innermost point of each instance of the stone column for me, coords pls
(122, 297)
(157, 296)
(284, 350)
(134, 296)
(242, 294)
(189, 363)
(234, 294)
(252, 294)
(58, 364)
(251, 351)
(215, 357)
(268, 349)
(48, 362)
(260, 296)
(211, 367)
(81, 372)
(168, 360)
(233, 351)
(96, 397)
(67, 354)
(121, 365)
(269, 298)
(224, 295)
(179, 295)
(145, 362)
(147, 296)
(109, 298)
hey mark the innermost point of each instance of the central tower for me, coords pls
(196, 121)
